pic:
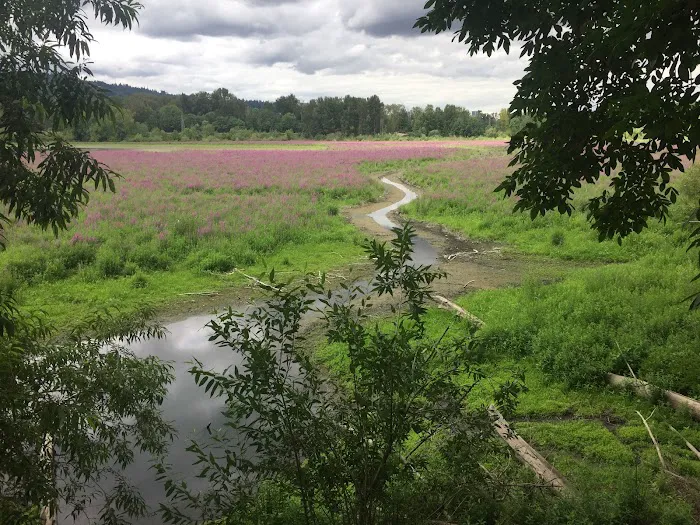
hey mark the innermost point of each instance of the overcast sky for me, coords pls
(267, 48)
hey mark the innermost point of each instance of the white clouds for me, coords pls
(267, 48)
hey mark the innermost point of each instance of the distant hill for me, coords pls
(122, 90)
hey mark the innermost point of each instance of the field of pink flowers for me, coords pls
(208, 210)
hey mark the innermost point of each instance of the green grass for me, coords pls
(74, 298)
(624, 305)
(592, 435)
(457, 192)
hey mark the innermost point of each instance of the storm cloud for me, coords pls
(267, 48)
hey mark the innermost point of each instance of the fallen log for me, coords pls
(459, 310)
(525, 453)
(644, 389)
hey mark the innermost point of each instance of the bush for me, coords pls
(28, 269)
(218, 263)
(139, 281)
(689, 184)
(109, 263)
(55, 270)
(149, 257)
(78, 254)
(558, 238)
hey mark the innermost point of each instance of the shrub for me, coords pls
(78, 254)
(55, 270)
(149, 257)
(333, 210)
(558, 238)
(28, 269)
(109, 263)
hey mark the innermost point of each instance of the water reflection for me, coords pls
(186, 405)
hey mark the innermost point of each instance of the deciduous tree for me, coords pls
(74, 404)
(598, 70)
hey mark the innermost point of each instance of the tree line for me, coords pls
(151, 115)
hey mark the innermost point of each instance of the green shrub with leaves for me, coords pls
(75, 405)
(348, 451)
(76, 408)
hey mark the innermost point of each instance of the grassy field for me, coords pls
(183, 218)
(625, 308)
(591, 433)
(628, 307)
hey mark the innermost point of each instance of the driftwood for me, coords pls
(459, 310)
(687, 443)
(526, 453)
(254, 279)
(653, 438)
(644, 389)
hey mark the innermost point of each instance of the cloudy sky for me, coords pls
(266, 48)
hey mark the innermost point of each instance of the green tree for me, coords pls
(374, 115)
(170, 118)
(597, 72)
(73, 406)
(349, 450)
(503, 120)
(288, 122)
(289, 104)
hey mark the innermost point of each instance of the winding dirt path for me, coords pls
(480, 265)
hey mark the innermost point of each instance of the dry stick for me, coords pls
(460, 311)
(254, 279)
(526, 453)
(653, 439)
(687, 443)
(644, 389)
(208, 294)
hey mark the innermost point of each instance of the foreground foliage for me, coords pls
(76, 408)
(348, 451)
(75, 405)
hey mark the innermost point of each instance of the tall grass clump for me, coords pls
(604, 318)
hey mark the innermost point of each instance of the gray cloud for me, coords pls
(268, 48)
(385, 18)
(188, 20)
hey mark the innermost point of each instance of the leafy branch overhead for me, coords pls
(611, 90)
(44, 179)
